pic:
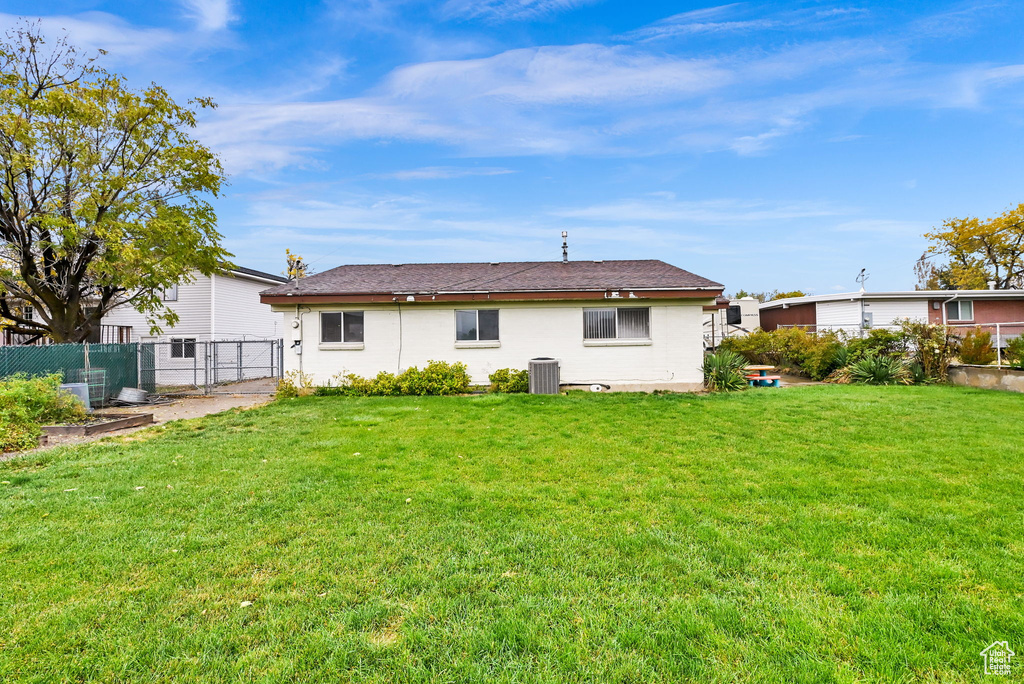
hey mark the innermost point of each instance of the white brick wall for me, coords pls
(425, 331)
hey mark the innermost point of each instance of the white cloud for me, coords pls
(209, 15)
(560, 75)
(507, 10)
(592, 99)
(442, 172)
(93, 31)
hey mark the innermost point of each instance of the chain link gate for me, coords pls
(188, 366)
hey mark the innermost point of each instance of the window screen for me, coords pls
(634, 324)
(488, 324)
(341, 326)
(476, 324)
(183, 347)
(353, 326)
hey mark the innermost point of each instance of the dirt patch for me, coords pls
(179, 409)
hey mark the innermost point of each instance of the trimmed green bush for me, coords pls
(436, 378)
(27, 403)
(510, 380)
(791, 349)
(976, 347)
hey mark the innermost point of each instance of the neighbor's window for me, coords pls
(341, 326)
(171, 293)
(27, 312)
(183, 347)
(476, 325)
(960, 310)
(618, 323)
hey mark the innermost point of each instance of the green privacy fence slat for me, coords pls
(118, 361)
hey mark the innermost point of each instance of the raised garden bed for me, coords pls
(107, 422)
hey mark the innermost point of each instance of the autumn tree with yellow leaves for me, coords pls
(968, 253)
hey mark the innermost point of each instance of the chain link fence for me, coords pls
(106, 368)
(180, 366)
(190, 366)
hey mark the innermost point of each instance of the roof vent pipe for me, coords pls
(991, 284)
(565, 248)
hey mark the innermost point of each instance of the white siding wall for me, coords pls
(426, 331)
(192, 307)
(836, 315)
(889, 311)
(239, 312)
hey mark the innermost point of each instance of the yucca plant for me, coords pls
(875, 369)
(723, 371)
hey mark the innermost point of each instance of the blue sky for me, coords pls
(764, 145)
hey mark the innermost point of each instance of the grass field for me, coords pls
(804, 535)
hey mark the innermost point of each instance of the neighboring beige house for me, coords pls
(218, 307)
(627, 325)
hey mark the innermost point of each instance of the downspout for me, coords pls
(944, 319)
(298, 316)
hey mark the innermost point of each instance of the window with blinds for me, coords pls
(620, 323)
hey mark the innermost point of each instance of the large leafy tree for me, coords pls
(967, 253)
(102, 192)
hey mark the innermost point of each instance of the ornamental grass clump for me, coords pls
(723, 371)
(876, 369)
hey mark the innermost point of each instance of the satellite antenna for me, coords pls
(862, 278)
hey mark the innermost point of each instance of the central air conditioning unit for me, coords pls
(544, 376)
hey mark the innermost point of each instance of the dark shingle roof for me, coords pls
(514, 276)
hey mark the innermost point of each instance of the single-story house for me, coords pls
(855, 311)
(627, 325)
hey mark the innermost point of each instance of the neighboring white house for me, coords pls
(853, 312)
(218, 307)
(629, 325)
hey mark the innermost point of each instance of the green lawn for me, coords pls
(808, 534)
